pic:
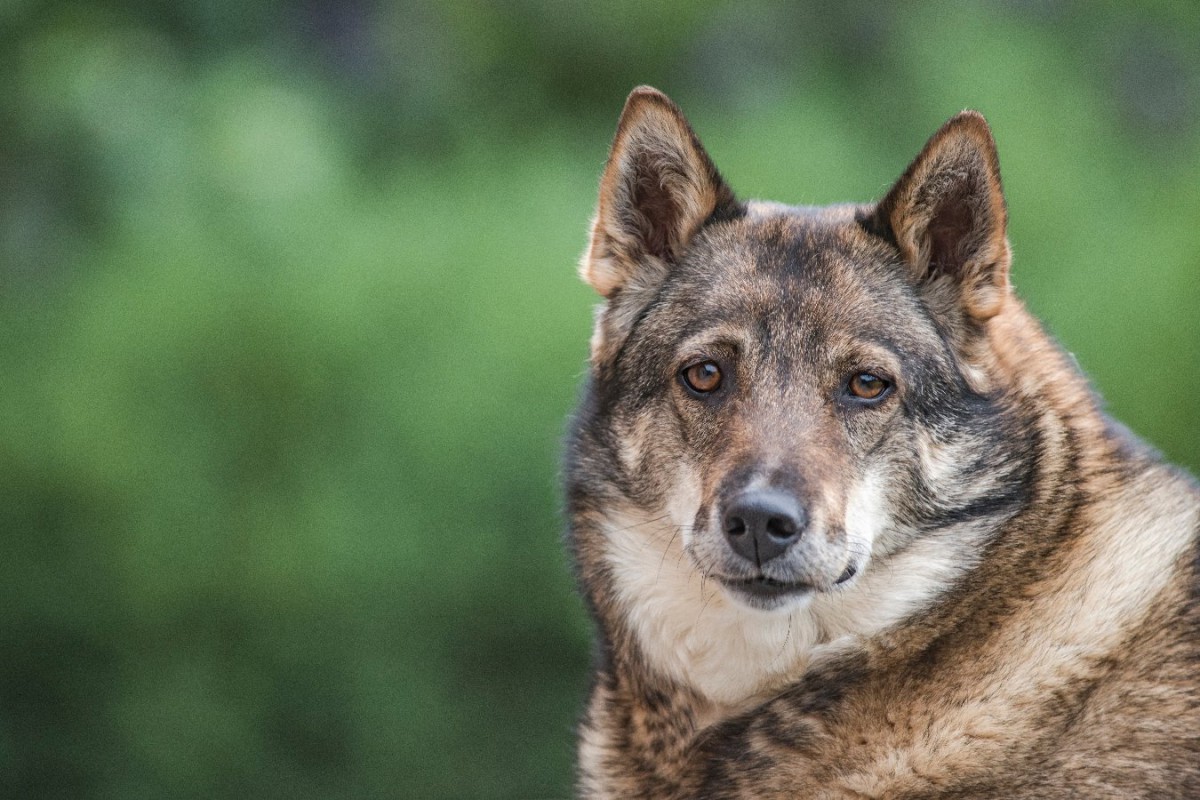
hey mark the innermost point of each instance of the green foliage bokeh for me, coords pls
(289, 330)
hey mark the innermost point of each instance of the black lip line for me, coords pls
(762, 585)
(765, 586)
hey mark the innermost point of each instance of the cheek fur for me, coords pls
(867, 514)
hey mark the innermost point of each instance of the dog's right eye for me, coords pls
(703, 377)
(868, 386)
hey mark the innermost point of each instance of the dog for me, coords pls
(848, 521)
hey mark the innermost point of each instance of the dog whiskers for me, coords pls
(666, 550)
(704, 605)
(645, 523)
(786, 638)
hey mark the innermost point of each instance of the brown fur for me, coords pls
(995, 594)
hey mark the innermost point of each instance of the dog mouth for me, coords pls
(763, 588)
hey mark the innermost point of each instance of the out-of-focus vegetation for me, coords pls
(289, 327)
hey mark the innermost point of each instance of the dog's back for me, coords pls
(849, 523)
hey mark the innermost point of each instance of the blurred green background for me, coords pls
(289, 329)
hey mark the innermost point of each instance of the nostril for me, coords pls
(735, 526)
(781, 527)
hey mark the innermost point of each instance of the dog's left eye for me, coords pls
(703, 377)
(868, 386)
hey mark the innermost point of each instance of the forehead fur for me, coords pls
(788, 263)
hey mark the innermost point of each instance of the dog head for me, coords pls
(801, 392)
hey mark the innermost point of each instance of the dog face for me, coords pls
(774, 400)
(800, 393)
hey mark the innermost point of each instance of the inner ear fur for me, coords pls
(659, 187)
(947, 216)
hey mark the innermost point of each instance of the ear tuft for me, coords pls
(947, 215)
(659, 187)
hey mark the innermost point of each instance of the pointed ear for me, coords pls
(659, 188)
(947, 216)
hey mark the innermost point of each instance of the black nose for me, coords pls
(762, 524)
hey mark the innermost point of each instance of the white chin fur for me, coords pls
(695, 632)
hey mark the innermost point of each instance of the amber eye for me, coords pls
(703, 377)
(867, 386)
